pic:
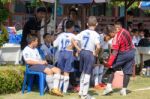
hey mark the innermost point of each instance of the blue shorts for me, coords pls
(65, 61)
(125, 61)
(86, 61)
(40, 68)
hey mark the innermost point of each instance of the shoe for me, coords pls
(76, 89)
(87, 97)
(123, 92)
(56, 92)
(97, 87)
(102, 85)
(107, 91)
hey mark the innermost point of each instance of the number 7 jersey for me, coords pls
(63, 41)
(88, 39)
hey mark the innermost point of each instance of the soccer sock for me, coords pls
(56, 80)
(111, 77)
(49, 80)
(61, 82)
(96, 79)
(66, 84)
(126, 80)
(100, 78)
(86, 83)
(81, 83)
(101, 69)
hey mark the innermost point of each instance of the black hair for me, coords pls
(118, 23)
(73, 10)
(69, 24)
(44, 36)
(41, 9)
(134, 30)
(31, 38)
(139, 25)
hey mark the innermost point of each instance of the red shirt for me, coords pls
(122, 41)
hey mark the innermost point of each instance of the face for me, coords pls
(47, 39)
(112, 34)
(118, 28)
(35, 43)
(73, 15)
(40, 15)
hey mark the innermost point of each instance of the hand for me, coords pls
(44, 62)
(105, 63)
(96, 55)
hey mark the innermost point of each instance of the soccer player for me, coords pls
(89, 40)
(32, 57)
(122, 56)
(65, 43)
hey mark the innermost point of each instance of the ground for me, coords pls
(139, 87)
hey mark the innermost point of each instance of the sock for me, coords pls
(86, 83)
(100, 78)
(96, 79)
(56, 81)
(49, 80)
(66, 84)
(81, 83)
(61, 82)
(109, 85)
(124, 89)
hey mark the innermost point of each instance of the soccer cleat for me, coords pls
(97, 87)
(123, 92)
(87, 97)
(56, 92)
(107, 91)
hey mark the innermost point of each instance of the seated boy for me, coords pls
(32, 57)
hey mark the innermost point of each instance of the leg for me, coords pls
(66, 82)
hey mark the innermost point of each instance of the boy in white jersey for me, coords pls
(65, 43)
(32, 57)
(90, 45)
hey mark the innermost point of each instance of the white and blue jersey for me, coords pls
(88, 39)
(66, 58)
(63, 41)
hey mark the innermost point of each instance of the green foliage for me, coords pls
(4, 13)
(3, 35)
(11, 79)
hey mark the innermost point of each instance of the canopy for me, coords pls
(145, 5)
(80, 1)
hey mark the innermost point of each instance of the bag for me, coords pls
(118, 79)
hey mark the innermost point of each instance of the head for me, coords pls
(118, 26)
(70, 26)
(92, 22)
(32, 40)
(47, 38)
(111, 31)
(130, 15)
(73, 14)
(134, 32)
(40, 13)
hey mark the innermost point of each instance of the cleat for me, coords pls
(56, 92)
(123, 92)
(107, 91)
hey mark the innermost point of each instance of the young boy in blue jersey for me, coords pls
(65, 43)
(89, 40)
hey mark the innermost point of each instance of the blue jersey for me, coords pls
(88, 39)
(64, 40)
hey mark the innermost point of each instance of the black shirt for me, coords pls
(31, 24)
(145, 42)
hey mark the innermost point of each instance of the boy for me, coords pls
(47, 48)
(32, 57)
(122, 56)
(65, 43)
(89, 40)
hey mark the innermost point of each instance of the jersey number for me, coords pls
(86, 40)
(64, 44)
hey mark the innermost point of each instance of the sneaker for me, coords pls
(56, 92)
(107, 91)
(123, 92)
(87, 97)
(97, 87)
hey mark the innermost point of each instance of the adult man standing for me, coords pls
(33, 26)
(122, 56)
